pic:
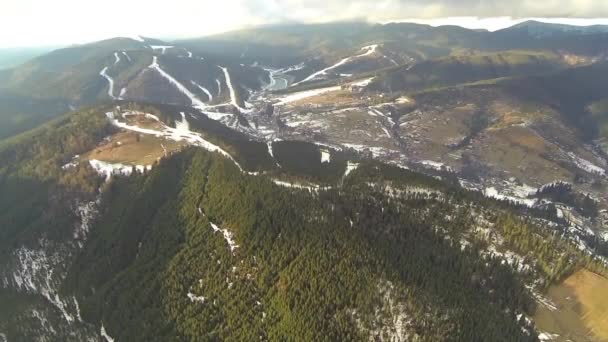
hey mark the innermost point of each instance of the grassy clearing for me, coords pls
(582, 315)
(133, 149)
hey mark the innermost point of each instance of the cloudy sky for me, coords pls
(52, 22)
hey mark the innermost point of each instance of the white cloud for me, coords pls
(40, 22)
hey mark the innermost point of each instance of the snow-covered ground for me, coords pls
(219, 87)
(163, 48)
(309, 187)
(545, 336)
(363, 83)
(228, 236)
(108, 169)
(116, 58)
(492, 192)
(233, 97)
(325, 156)
(305, 94)
(103, 73)
(181, 132)
(196, 299)
(434, 165)
(586, 165)
(39, 271)
(105, 335)
(196, 102)
(350, 167)
(368, 51)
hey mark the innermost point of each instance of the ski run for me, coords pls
(103, 73)
(368, 51)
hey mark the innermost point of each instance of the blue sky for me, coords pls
(56, 22)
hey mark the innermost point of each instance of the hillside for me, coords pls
(243, 250)
(448, 71)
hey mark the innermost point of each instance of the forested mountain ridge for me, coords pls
(198, 249)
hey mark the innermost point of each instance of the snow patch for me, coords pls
(586, 165)
(109, 169)
(492, 192)
(219, 87)
(228, 236)
(435, 165)
(305, 94)
(180, 133)
(363, 83)
(325, 156)
(105, 335)
(117, 58)
(163, 48)
(350, 167)
(545, 336)
(196, 299)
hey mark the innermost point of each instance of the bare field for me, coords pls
(128, 148)
(582, 309)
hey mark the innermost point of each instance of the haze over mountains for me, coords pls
(340, 181)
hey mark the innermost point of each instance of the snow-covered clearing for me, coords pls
(305, 94)
(116, 58)
(325, 156)
(375, 150)
(38, 271)
(363, 83)
(127, 56)
(196, 102)
(109, 169)
(233, 99)
(545, 336)
(163, 48)
(228, 236)
(196, 299)
(219, 87)
(310, 187)
(492, 192)
(586, 165)
(105, 335)
(350, 167)
(205, 90)
(386, 132)
(368, 51)
(103, 73)
(435, 165)
(181, 132)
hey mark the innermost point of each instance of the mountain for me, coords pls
(344, 181)
(205, 249)
(540, 30)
